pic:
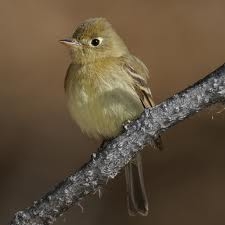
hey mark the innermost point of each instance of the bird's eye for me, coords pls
(96, 41)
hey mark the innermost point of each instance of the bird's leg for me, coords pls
(104, 143)
(126, 124)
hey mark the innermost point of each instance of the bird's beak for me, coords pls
(69, 42)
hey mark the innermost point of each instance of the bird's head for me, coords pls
(94, 39)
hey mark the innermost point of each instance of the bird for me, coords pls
(106, 86)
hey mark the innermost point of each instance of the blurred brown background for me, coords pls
(180, 41)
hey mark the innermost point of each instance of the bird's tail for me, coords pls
(137, 201)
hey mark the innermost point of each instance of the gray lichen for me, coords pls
(108, 162)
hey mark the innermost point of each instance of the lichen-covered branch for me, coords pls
(115, 154)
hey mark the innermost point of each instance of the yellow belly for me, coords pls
(101, 108)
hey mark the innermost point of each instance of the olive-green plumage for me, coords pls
(106, 86)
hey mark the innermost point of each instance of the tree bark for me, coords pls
(115, 154)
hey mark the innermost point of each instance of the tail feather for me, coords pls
(137, 201)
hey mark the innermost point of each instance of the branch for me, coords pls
(108, 162)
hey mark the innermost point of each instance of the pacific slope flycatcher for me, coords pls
(106, 86)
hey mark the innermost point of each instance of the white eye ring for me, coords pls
(96, 41)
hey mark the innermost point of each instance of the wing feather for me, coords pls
(140, 76)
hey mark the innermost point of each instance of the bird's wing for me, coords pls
(140, 76)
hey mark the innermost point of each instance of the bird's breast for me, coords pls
(100, 102)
